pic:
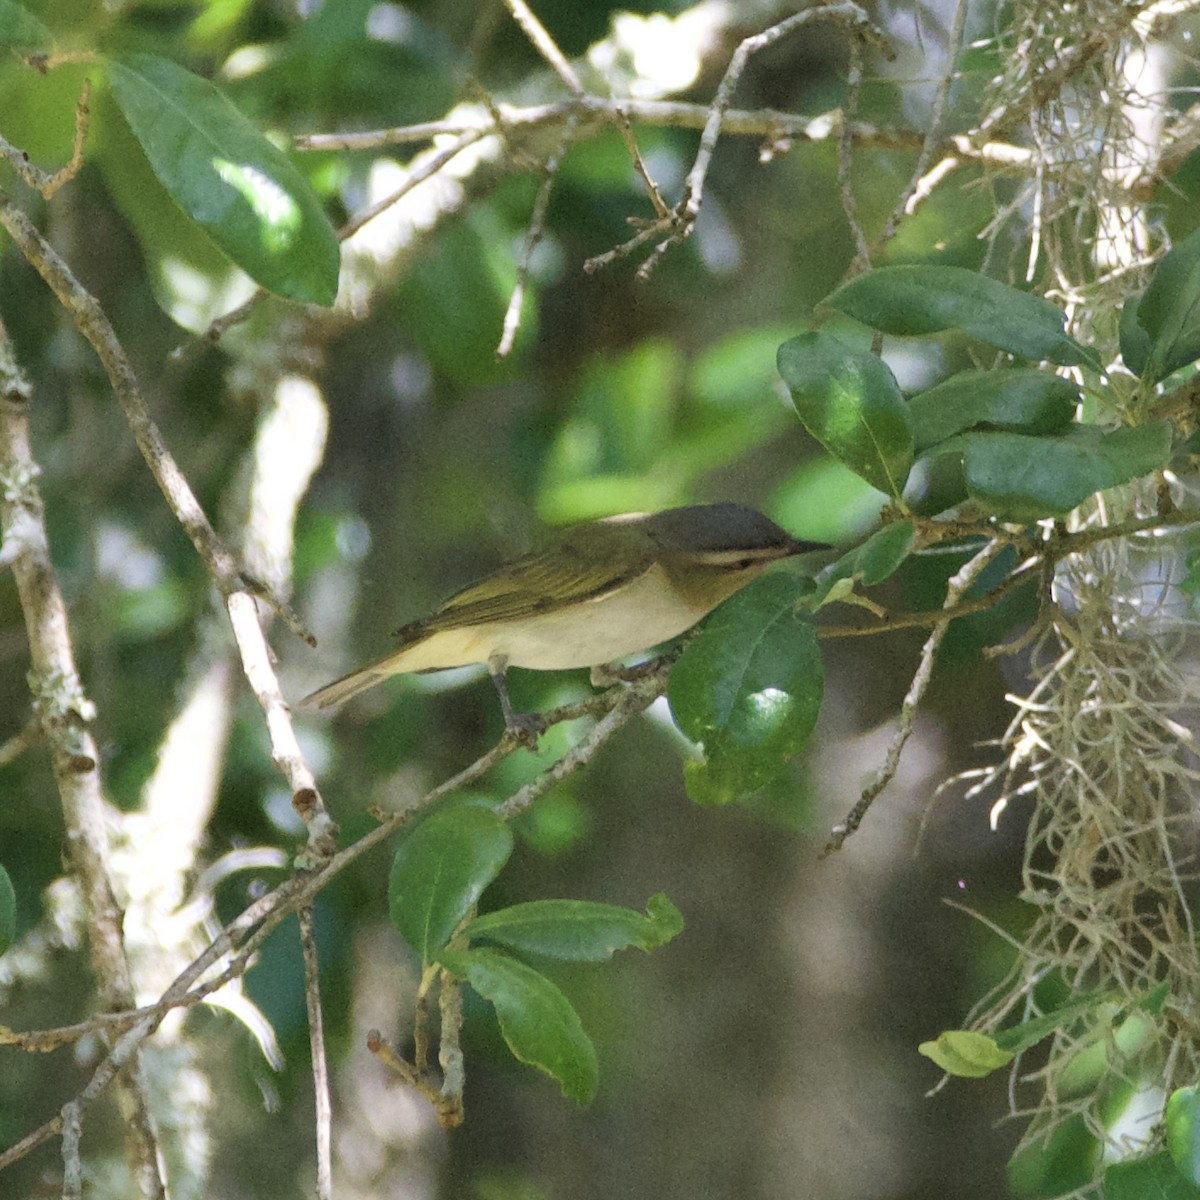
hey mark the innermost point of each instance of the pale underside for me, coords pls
(636, 615)
(611, 626)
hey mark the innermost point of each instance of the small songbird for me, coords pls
(594, 594)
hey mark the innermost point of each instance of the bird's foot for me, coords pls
(524, 729)
(608, 674)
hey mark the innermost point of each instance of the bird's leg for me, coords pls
(523, 728)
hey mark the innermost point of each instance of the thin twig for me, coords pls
(49, 182)
(543, 43)
(28, 736)
(928, 183)
(625, 128)
(934, 617)
(636, 698)
(320, 1061)
(537, 230)
(862, 255)
(450, 1055)
(93, 324)
(593, 113)
(682, 218)
(429, 168)
(247, 931)
(957, 586)
(65, 714)
(72, 1132)
(933, 134)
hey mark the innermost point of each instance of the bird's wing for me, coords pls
(556, 578)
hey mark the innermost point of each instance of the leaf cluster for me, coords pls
(440, 871)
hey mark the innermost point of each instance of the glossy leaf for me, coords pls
(1135, 341)
(1169, 311)
(1021, 399)
(869, 564)
(539, 1024)
(1106, 1050)
(748, 689)
(578, 930)
(191, 278)
(440, 870)
(8, 911)
(1153, 1177)
(1018, 1038)
(920, 298)
(230, 179)
(851, 403)
(1183, 1132)
(1024, 477)
(967, 1054)
(21, 30)
(1056, 1162)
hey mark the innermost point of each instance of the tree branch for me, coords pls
(65, 715)
(90, 320)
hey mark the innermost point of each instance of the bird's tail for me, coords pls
(342, 689)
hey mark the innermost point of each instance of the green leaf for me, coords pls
(926, 298)
(538, 1022)
(440, 871)
(1169, 311)
(1023, 478)
(967, 1054)
(1151, 1178)
(851, 403)
(1155, 1000)
(1019, 1038)
(1183, 1132)
(869, 564)
(1052, 1163)
(1135, 341)
(748, 689)
(230, 179)
(1106, 1050)
(578, 930)
(21, 30)
(8, 911)
(1022, 399)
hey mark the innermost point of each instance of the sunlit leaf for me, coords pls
(440, 870)
(967, 1054)
(229, 178)
(851, 403)
(748, 689)
(8, 911)
(1169, 311)
(1183, 1131)
(539, 1024)
(919, 298)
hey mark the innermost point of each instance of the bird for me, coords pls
(593, 594)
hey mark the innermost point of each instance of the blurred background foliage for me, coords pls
(769, 1051)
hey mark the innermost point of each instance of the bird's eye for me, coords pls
(744, 564)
